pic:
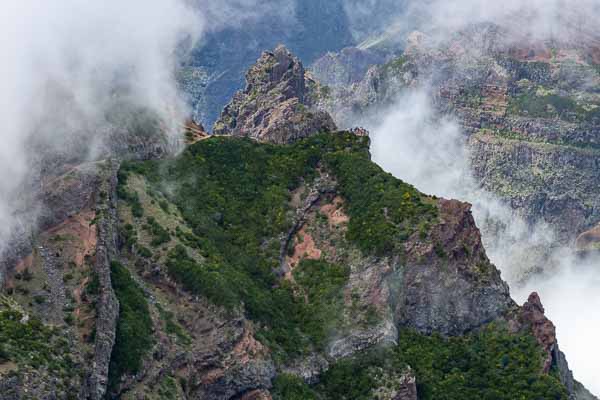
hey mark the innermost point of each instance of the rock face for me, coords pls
(215, 70)
(408, 387)
(346, 67)
(433, 278)
(74, 243)
(467, 294)
(532, 316)
(276, 104)
(107, 306)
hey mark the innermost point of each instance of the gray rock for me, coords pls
(276, 104)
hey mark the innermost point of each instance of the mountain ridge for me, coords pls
(254, 269)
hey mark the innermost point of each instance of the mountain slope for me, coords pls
(245, 269)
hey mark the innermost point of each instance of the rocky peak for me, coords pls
(275, 106)
(533, 315)
(278, 69)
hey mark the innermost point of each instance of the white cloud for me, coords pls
(63, 61)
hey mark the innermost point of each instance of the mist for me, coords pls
(535, 20)
(68, 65)
(425, 149)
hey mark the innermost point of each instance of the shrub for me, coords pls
(159, 234)
(492, 364)
(234, 195)
(134, 327)
(290, 387)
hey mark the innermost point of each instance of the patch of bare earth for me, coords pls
(334, 212)
(304, 248)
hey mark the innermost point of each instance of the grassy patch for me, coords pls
(172, 327)
(290, 387)
(159, 234)
(534, 104)
(31, 344)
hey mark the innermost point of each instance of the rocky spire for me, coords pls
(275, 106)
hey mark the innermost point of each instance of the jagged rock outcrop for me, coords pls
(448, 284)
(276, 103)
(214, 70)
(72, 247)
(107, 306)
(408, 387)
(532, 316)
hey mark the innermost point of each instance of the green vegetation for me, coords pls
(549, 105)
(32, 343)
(134, 328)
(322, 284)
(132, 199)
(159, 234)
(558, 142)
(492, 364)
(171, 326)
(396, 66)
(383, 210)
(234, 195)
(290, 387)
(168, 389)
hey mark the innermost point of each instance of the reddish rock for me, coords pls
(533, 315)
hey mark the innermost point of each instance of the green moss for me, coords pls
(134, 328)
